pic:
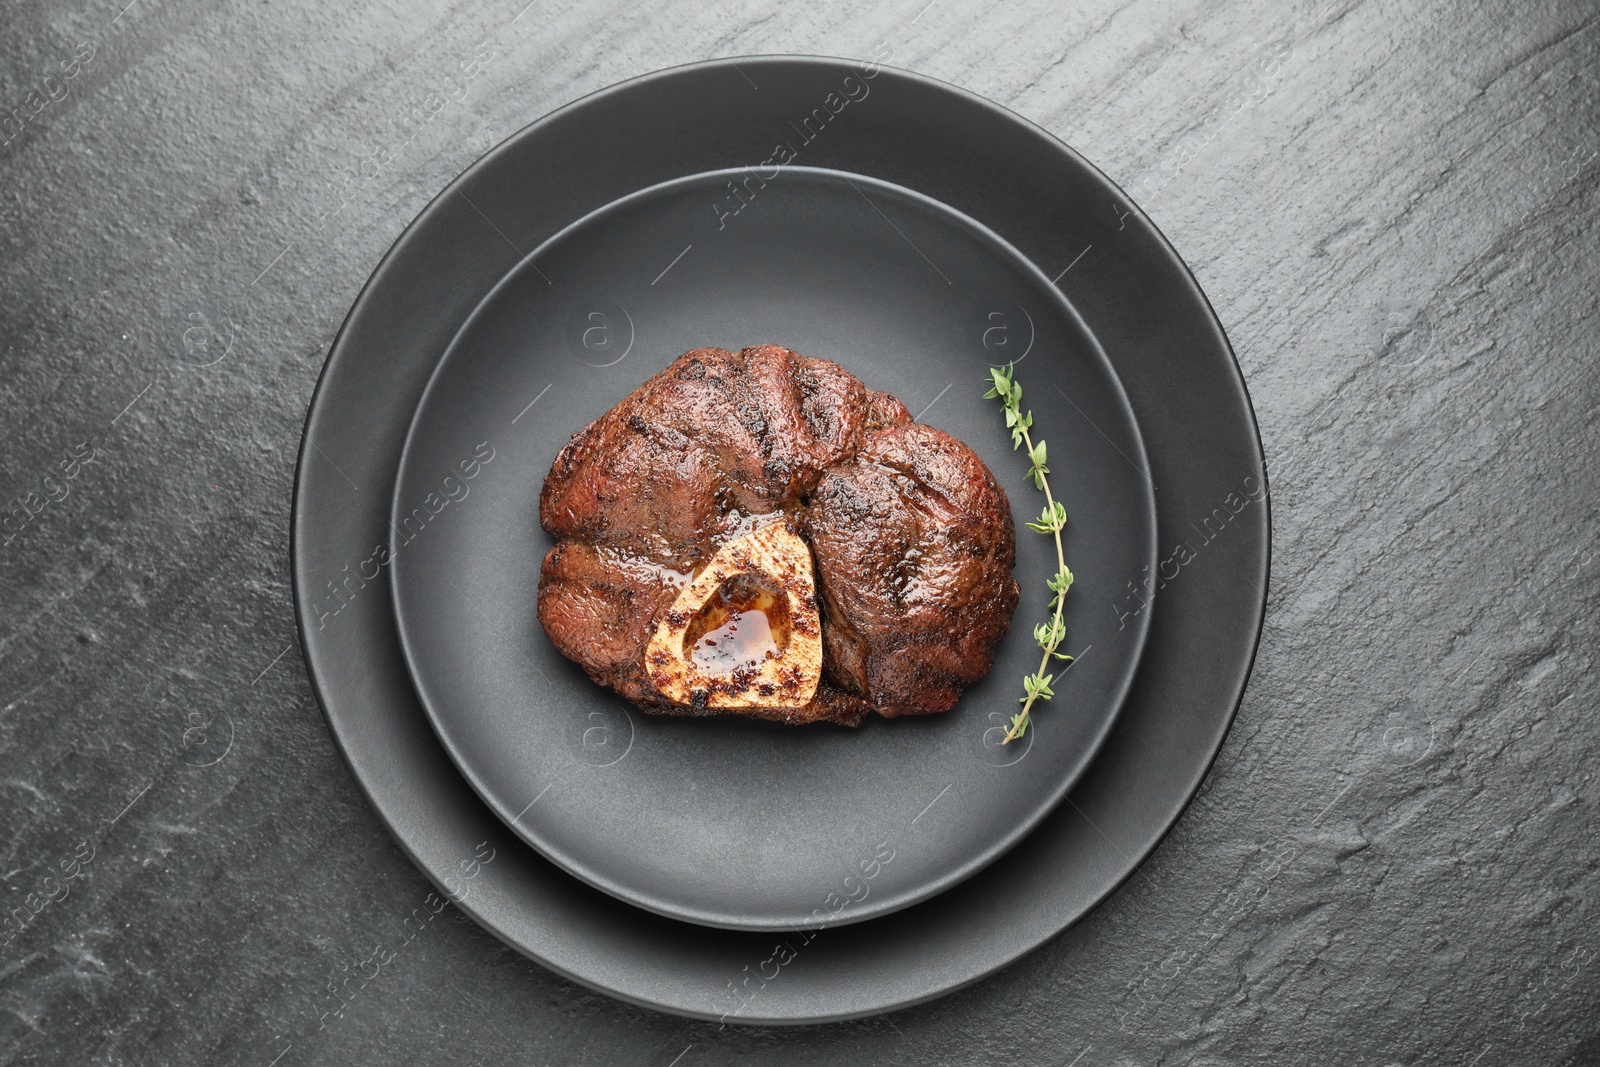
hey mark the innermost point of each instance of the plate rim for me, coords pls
(1076, 765)
(342, 732)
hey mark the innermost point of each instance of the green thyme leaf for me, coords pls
(1061, 582)
(1047, 518)
(1051, 519)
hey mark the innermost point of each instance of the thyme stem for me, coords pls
(1049, 635)
(1057, 630)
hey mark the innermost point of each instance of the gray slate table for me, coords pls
(1392, 206)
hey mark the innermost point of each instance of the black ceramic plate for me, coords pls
(1136, 298)
(724, 821)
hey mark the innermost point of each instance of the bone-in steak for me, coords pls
(682, 518)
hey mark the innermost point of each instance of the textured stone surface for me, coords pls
(1393, 860)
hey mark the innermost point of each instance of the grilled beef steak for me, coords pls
(680, 576)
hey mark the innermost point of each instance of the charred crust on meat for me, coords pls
(906, 535)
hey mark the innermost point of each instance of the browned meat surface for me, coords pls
(912, 538)
(914, 546)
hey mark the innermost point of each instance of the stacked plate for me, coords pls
(735, 870)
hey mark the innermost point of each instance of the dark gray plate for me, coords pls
(724, 821)
(1137, 298)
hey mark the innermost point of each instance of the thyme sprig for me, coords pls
(1052, 520)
